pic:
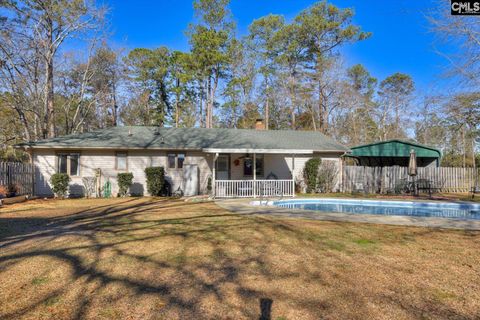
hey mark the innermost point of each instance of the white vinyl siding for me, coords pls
(46, 164)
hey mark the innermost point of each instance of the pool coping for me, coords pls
(244, 206)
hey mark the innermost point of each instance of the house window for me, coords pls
(62, 163)
(176, 160)
(121, 161)
(248, 166)
(68, 163)
(171, 160)
(74, 164)
(180, 160)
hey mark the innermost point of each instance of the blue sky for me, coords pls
(401, 40)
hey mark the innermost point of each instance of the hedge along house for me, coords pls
(230, 162)
(394, 153)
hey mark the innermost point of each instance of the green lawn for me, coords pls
(162, 259)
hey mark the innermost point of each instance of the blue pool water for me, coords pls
(392, 208)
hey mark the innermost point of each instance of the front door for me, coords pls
(223, 166)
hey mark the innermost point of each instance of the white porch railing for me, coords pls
(254, 188)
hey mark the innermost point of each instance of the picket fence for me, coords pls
(386, 179)
(17, 174)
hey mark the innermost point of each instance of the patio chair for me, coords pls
(425, 185)
(404, 186)
(475, 189)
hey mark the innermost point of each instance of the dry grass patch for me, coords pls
(161, 259)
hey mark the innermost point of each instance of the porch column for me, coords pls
(215, 156)
(254, 175)
(293, 174)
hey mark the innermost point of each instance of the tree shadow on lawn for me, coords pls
(151, 258)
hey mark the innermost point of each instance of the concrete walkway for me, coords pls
(243, 206)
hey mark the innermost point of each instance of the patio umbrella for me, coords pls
(412, 164)
(412, 169)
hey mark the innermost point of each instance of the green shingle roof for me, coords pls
(394, 148)
(143, 137)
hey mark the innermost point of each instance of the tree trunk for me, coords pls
(202, 99)
(49, 128)
(397, 118)
(209, 101)
(474, 164)
(147, 120)
(384, 125)
(292, 101)
(115, 107)
(464, 147)
(321, 115)
(214, 92)
(24, 121)
(177, 104)
(293, 118)
(267, 108)
(314, 121)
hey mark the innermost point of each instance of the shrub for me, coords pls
(155, 180)
(310, 173)
(12, 189)
(3, 192)
(125, 180)
(59, 183)
(90, 185)
(327, 176)
(209, 185)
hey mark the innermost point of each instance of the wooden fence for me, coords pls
(387, 179)
(17, 174)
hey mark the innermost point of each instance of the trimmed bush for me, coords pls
(155, 180)
(209, 185)
(310, 173)
(59, 183)
(124, 180)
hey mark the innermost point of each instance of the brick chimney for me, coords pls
(259, 125)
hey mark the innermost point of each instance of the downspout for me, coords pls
(254, 175)
(293, 174)
(214, 189)
(32, 164)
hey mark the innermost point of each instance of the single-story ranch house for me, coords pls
(230, 162)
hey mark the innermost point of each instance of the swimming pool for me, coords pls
(453, 210)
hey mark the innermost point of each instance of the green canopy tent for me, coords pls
(394, 153)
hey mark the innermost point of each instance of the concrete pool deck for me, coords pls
(244, 206)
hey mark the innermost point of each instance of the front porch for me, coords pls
(254, 188)
(253, 173)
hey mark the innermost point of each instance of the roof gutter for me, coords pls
(103, 148)
(206, 150)
(253, 150)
